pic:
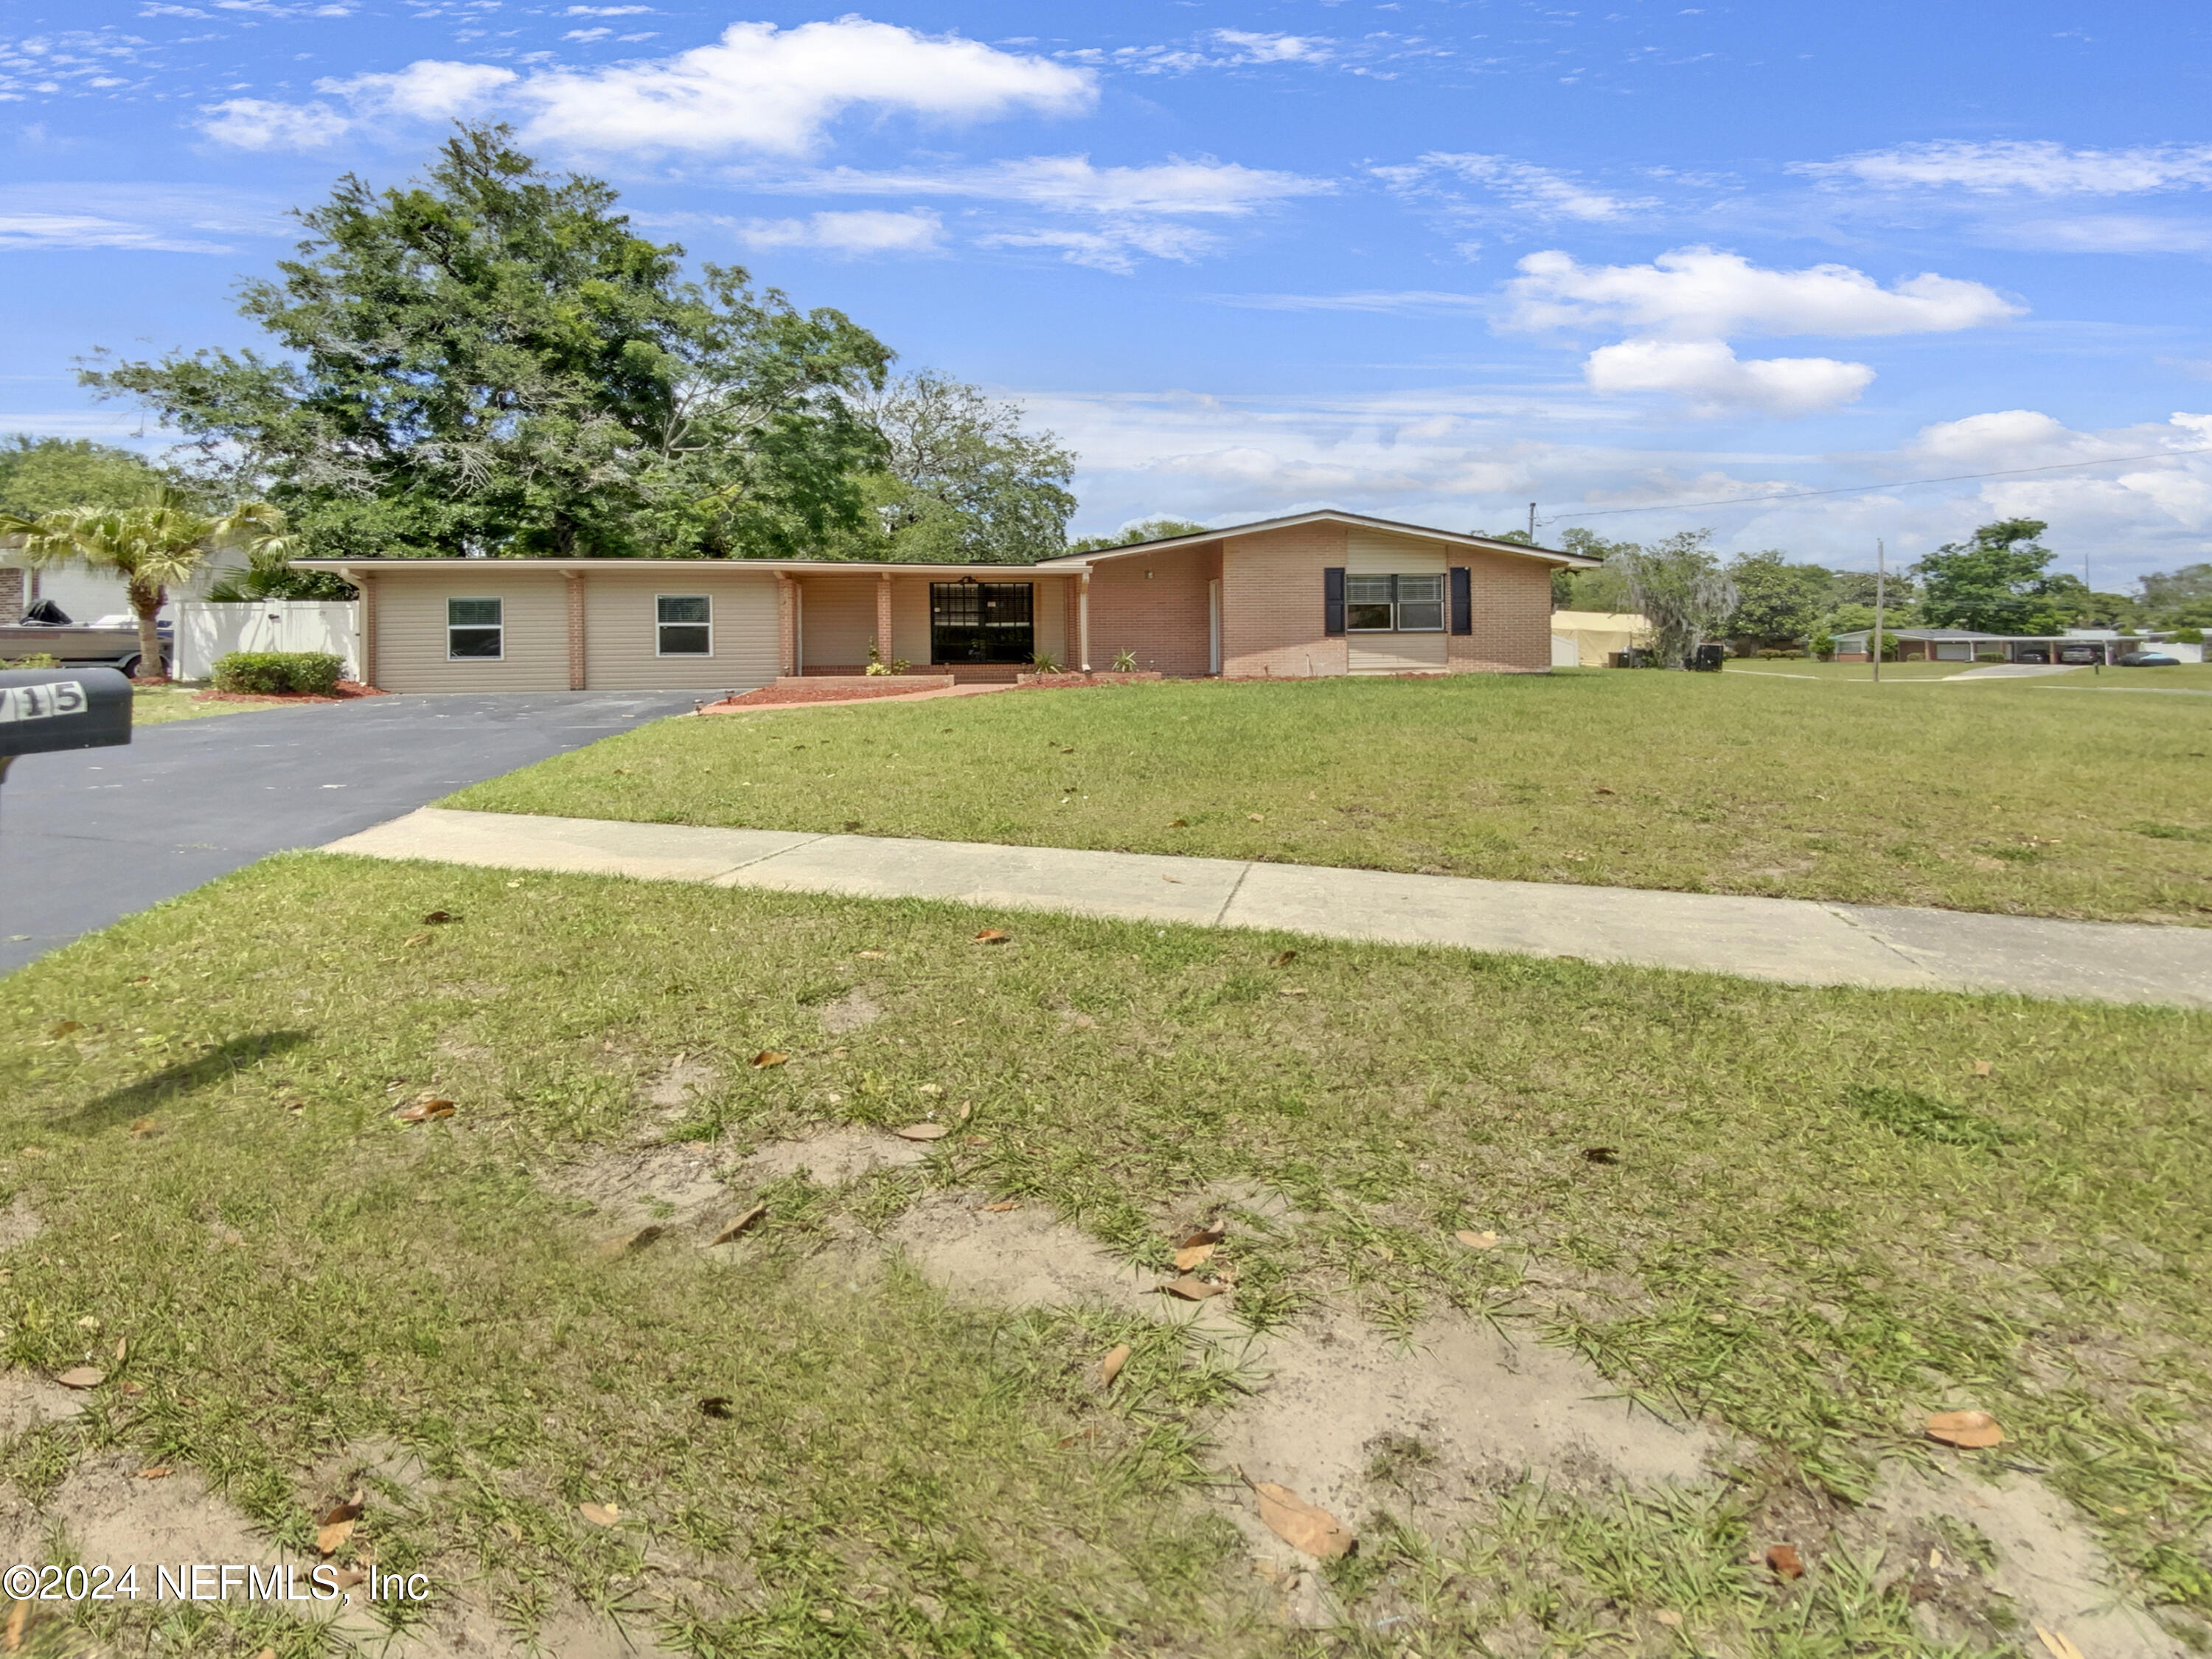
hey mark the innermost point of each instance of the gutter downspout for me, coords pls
(1083, 621)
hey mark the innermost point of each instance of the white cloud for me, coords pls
(1523, 186)
(865, 232)
(2107, 232)
(606, 11)
(1115, 248)
(426, 90)
(1250, 48)
(1713, 380)
(759, 88)
(38, 232)
(256, 124)
(586, 35)
(1704, 293)
(764, 89)
(2037, 166)
(1070, 184)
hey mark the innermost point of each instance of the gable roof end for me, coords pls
(1488, 544)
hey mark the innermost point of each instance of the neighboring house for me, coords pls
(1963, 645)
(1595, 637)
(84, 595)
(1309, 595)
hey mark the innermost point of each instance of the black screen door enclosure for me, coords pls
(981, 622)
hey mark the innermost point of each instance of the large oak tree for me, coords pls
(490, 361)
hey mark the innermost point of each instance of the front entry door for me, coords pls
(982, 622)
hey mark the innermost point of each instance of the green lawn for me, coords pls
(153, 705)
(1822, 1214)
(2007, 796)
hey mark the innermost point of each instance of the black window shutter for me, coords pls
(1462, 586)
(1332, 600)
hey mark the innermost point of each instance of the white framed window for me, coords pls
(475, 630)
(1394, 605)
(684, 625)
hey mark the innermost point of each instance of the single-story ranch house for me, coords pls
(1314, 593)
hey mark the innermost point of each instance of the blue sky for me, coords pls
(1432, 259)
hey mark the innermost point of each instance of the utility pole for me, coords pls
(1532, 523)
(1881, 578)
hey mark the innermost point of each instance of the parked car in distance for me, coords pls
(2035, 655)
(46, 631)
(2149, 659)
(2080, 653)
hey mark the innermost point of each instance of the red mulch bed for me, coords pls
(772, 695)
(346, 691)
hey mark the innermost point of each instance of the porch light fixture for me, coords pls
(967, 581)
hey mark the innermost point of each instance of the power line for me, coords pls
(1853, 489)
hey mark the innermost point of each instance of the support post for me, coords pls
(1083, 621)
(578, 645)
(786, 625)
(883, 619)
(1880, 579)
(365, 583)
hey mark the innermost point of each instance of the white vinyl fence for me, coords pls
(207, 629)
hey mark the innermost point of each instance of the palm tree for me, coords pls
(158, 544)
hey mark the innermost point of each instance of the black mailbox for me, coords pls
(43, 710)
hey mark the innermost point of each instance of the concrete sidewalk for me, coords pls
(1793, 940)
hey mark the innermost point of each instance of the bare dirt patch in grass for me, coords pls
(834, 1156)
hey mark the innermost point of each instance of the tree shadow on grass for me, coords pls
(211, 1065)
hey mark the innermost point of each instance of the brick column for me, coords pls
(577, 640)
(366, 582)
(786, 625)
(884, 618)
(12, 602)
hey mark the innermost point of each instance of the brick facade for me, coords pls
(12, 602)
(1156, 607)
(1272, 621)
(1512, 616)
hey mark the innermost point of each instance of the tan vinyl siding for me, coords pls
(836, 622)
(410, 628)
(1396, 654)
(1379, 553)
(621, 637)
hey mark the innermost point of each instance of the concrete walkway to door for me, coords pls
(1787, 939)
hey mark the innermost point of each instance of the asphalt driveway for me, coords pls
(88, 837)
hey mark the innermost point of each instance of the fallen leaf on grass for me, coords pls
(739, 1225)
(122, 1349)
(1981, 1068)
(715, 1405)
(2057, 1645)
(62, 1028)
(134, 1389)
(871, 955)
(992, 936)
(12, 1638)
(601, 1514)
(439, 918)
(1282, 958)
(154, 1472)
(1291, 990)
(922, 1131)
(1179, 823)
(337, 1524)
(976, 1141)
(1672, 1621)
(82, 1376)
(1002, 1207)
(623, 1244)
(1187, 1288)
(1603, 790)
(1600, 1155)
(1970, 1430)
(144, 1128)
(1257, 817)
(417, 938)
(424, 1110)
(929, 1089)
(1475, 1241)
(1302, 1526)
(768, 1057)
(1782, 1561)
(1111, 1366)
(1202, 1236)
(1194, 1256)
